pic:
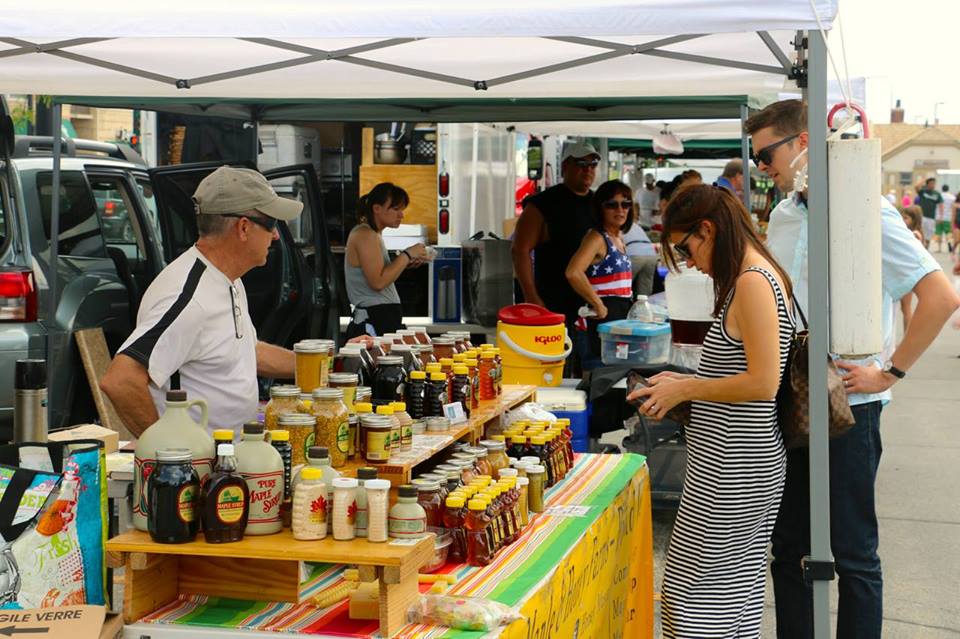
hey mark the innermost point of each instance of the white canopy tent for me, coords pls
(497, 61)
(686, 130)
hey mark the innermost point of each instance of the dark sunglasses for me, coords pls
(681, 249)
(626, 205)
(765, 154)
(587, 164)
(268, 223)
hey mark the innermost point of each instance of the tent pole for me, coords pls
(745, 155)
(52, 330)
(818, 567)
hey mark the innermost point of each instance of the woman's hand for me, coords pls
(662, 395)
(417, 253)
(667, 375)
(366, 340)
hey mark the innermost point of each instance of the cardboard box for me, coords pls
(76, 622)
(110, 438)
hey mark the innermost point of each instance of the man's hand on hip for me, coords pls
(865, 379)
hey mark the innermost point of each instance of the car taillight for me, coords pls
(18, 297)
(108, 209)
(443, 222)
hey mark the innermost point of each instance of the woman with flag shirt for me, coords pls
(600, 270)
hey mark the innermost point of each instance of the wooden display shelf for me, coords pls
(262, 568)
(426, 446)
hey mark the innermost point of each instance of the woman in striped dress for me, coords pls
(713, 585)
(600, 271)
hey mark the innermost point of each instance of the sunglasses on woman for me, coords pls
(626, 205)
(765, 154)
(681, 248)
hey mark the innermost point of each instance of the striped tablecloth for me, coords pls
(511, 578)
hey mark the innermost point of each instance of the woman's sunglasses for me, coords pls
(681, 248)
(626, 205)
(765, 154)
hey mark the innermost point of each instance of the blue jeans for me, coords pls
(854, 458)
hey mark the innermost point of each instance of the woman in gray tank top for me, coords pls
(368, 270)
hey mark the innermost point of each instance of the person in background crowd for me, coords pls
(552, 226)
(648, 199)
(913, 217)
(955, 231)
(368, 270)
(779, 136)
(194, 331)
(714, 581)
(600, 271)
(907, 198)
(944, 220)
(891, 197)
(691, 176)
(732, 177)
(931, 202)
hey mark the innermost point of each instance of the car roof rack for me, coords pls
(31, 146)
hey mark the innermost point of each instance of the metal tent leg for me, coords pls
(52, 329)
(745, 155)
(819, 565)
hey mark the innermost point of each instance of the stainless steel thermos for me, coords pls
(30, 401)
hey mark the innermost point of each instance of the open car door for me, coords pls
(278, 293)
(311, 237)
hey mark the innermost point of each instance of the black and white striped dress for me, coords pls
(714, 580)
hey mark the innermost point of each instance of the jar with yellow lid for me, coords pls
(283, 399)
(406, 424)
(333, 425)
(396, 431)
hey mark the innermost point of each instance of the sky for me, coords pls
(913, 45)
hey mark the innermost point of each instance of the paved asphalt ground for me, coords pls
(918, 494)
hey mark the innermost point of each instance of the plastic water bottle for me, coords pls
(641, 310)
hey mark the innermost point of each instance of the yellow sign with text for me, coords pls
(603, 589)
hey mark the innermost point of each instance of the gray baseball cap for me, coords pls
(578, 150)
(234, 190)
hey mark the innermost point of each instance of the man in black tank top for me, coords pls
(552, 226)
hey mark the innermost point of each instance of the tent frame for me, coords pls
(810, 75)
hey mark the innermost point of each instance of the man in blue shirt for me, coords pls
(732, 177)
(779, 136)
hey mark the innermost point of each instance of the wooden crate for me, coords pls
(155, 574)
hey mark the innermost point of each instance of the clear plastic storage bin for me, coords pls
(631, 342)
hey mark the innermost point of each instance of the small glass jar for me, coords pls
(425, 353)
(408, 336)
(389, 383)
(411, 362)
(353, 424)
(375, 434)
(537, 478)
(174, 496)
(496, 456)
(348, 383)
(421, 333)
(484, 467)
(310, 358)
(283, 399)
(430, 499)
(396, 433)
(444, 347)
(467, 472)
(349, 360)
(344, 508)
(364, 394)
(303, 432)
(333, 425)
(523, 483)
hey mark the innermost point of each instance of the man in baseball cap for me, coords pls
(551, 227)
(194, 331)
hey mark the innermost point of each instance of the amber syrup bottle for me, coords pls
(225, 500)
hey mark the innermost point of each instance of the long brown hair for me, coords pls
(692, 205)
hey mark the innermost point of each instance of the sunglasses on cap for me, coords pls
(584, 163)
(267, 223)
(626, 205)
(681, 248)
(765, 154)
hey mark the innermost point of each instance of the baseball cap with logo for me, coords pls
(578, 150)
(235, 190)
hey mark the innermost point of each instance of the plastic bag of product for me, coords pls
(462, 613)
(531, 412)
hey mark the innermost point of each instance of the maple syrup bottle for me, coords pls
(224, 500)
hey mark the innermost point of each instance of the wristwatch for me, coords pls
(888, 367)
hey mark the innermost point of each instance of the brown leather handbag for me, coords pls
(793, 405)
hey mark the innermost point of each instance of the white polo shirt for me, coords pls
(193, 324)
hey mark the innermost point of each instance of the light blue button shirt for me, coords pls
(904, 263)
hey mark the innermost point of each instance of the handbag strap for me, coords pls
(798, 310)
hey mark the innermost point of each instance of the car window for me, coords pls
(80, 233)
(116, 209)
(4, 194)
(294, 187)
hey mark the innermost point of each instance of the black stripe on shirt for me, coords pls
(142, 348)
